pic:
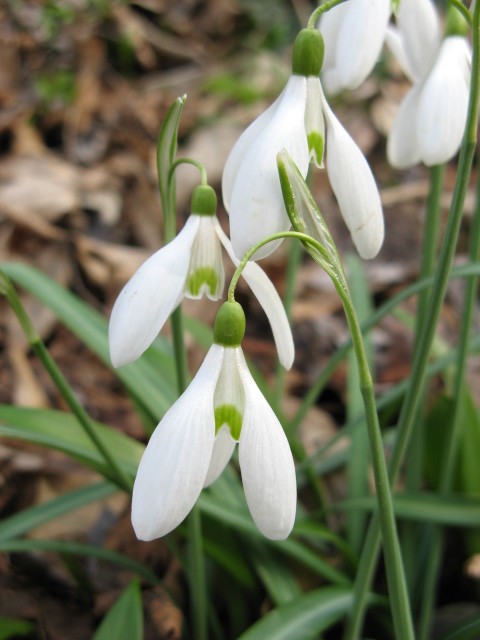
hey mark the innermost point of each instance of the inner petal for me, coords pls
(229, 397)
(206, 275)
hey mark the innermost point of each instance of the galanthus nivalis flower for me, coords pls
(195, 440)
(354, 33)
(190, 265)
(431, 119)
(299, 121)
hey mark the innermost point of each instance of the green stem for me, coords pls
(294, 258)
(397, 587)
(447, 465)
(194, 163)
(416, 447)
(116, 475)
(326, 6)
(410, 405)
(394, 567)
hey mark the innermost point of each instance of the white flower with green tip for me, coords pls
(301, 122)
(195, 440)
(431, 119)
(190, 265)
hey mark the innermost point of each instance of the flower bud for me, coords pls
(229, 327)
(204, 201)
(307, 55)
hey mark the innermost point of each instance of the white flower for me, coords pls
(190, 265)
(354, 33)
(431, 119)
(195, 440)
(299, 121)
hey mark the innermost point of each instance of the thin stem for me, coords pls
(462, 9)
(195, 163)
(197, 575)
(416, 447)
(294, 258)
(395, 575)
(397, 587)
(329, 367)
(410, 405)
(249, 254)
(447, 465)
(116, 474)
(326, 6)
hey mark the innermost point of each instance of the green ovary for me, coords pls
(316, 146)
(202, 276)
(229, 414)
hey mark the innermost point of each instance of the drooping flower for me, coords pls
(190, 265)
(195, 439)
(430, 121)
(299, 121)
(354, 33)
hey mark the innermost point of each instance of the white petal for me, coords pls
(256, 207)
(330, 24)
(442, 110)
(175, 463)
(402, 143)
(396, 45)
(222, 452)
(206, 275)
(360, 40)
(266, 463)
(268, 297)
(419, 27)
(314, 122)
(241, 148)
(149, 297)
(355, 189)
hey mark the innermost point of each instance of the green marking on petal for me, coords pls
(202, 276)
(316, 147)
(229, 414)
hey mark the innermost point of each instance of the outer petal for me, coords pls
(396, 45)
(419, 28)
(256, 207)
(354, 187)
(221, 454)
(330, 24)
(173, 468)
(241, 148)
(267, 295)
(402, 143)
(442, 109)
(360, 40)
(149, 297)
(266, 463)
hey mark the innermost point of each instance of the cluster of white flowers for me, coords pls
(431, 119)
(223, 405)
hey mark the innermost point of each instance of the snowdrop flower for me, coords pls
(299, 121)
(190, 265)
(354, 33)
(431, 119)
(195, 440)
